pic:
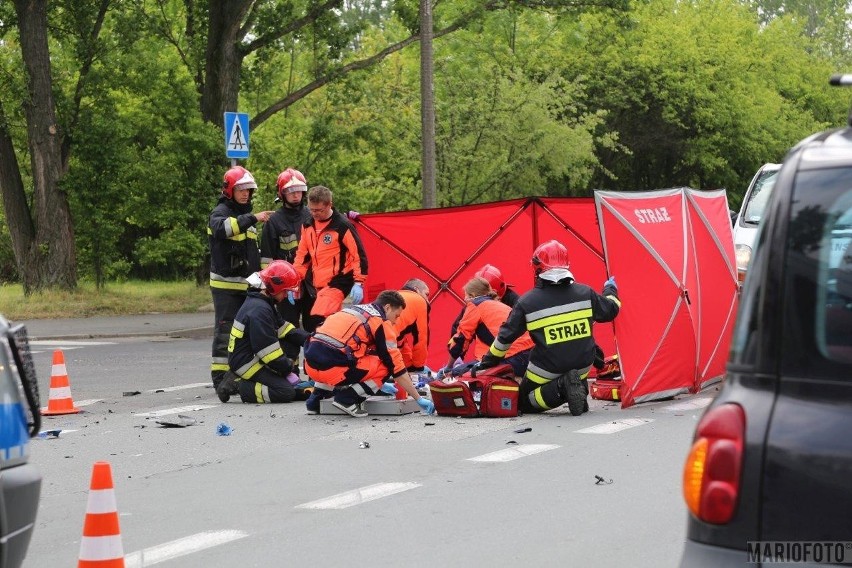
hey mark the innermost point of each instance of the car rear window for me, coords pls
(819, 272)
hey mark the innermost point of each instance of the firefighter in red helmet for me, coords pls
(558, 313)
(262, 372)
(280, 239)
(234, 255)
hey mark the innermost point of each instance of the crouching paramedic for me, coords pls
(480, 322)
(353, 351)
(258, 338)
(558, 314)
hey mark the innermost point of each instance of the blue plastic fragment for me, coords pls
(223, 429)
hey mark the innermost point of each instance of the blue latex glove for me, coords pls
(611, 283)
(389, 388)
(426, 405)
(357, 293)
(291, 297)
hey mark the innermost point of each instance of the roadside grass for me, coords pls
(118, 298)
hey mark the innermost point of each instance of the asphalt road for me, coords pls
(286, 488)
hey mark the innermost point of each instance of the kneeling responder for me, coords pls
(353, 351)
(481, 320)
(258, 338)
(558, 313)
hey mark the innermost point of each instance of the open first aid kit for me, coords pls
(607, 382)
(490, 392)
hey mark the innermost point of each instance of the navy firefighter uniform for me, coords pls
(256, 355)
(558, 313)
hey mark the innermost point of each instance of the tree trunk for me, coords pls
(224, 60)
(50, 258)
(14, 197)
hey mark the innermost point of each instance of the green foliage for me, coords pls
(536, 98)
(699, 93)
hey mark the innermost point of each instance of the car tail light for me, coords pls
(711, 475)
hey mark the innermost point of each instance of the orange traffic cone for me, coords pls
(60, 401)
(101, 543)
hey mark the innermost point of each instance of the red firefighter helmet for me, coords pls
(291, 181)
(494, 277)
(237, 178)
(551, 254)
(279, 276)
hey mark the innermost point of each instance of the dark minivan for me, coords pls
(20, 481)
(769, 476)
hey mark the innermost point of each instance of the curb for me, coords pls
(188, 333)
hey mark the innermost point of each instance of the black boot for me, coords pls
(227, 387)
(572, 391)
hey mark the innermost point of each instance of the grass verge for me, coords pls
(119, 298)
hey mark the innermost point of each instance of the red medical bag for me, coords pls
(494, 389)
(605, 389)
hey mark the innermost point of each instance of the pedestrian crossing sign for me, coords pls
(236, 135)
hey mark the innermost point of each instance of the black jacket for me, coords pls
(257, 338)
(280, 236)
(233, 245)
(559, 318)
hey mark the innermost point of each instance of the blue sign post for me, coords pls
(236, 135)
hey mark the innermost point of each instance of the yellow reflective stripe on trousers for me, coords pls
(261, 393)
(219, 367)
(537, 400)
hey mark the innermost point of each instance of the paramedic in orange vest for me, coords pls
(353, 351)
(495, 279)
(558, 313)
(412, 325)
(482, 318)
(330, 259)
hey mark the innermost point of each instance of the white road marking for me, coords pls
(615, 426)
(179, 387)
(180, 547)
(514, 453)
(689, 404)
(358, 496)
(176, 410)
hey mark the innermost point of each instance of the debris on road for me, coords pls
(49, 433)
(364, 445)
(522, 430)
(223, 429)
(602, 481)
(182, 421)
(131, 393)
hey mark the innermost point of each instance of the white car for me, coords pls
(751, 212)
